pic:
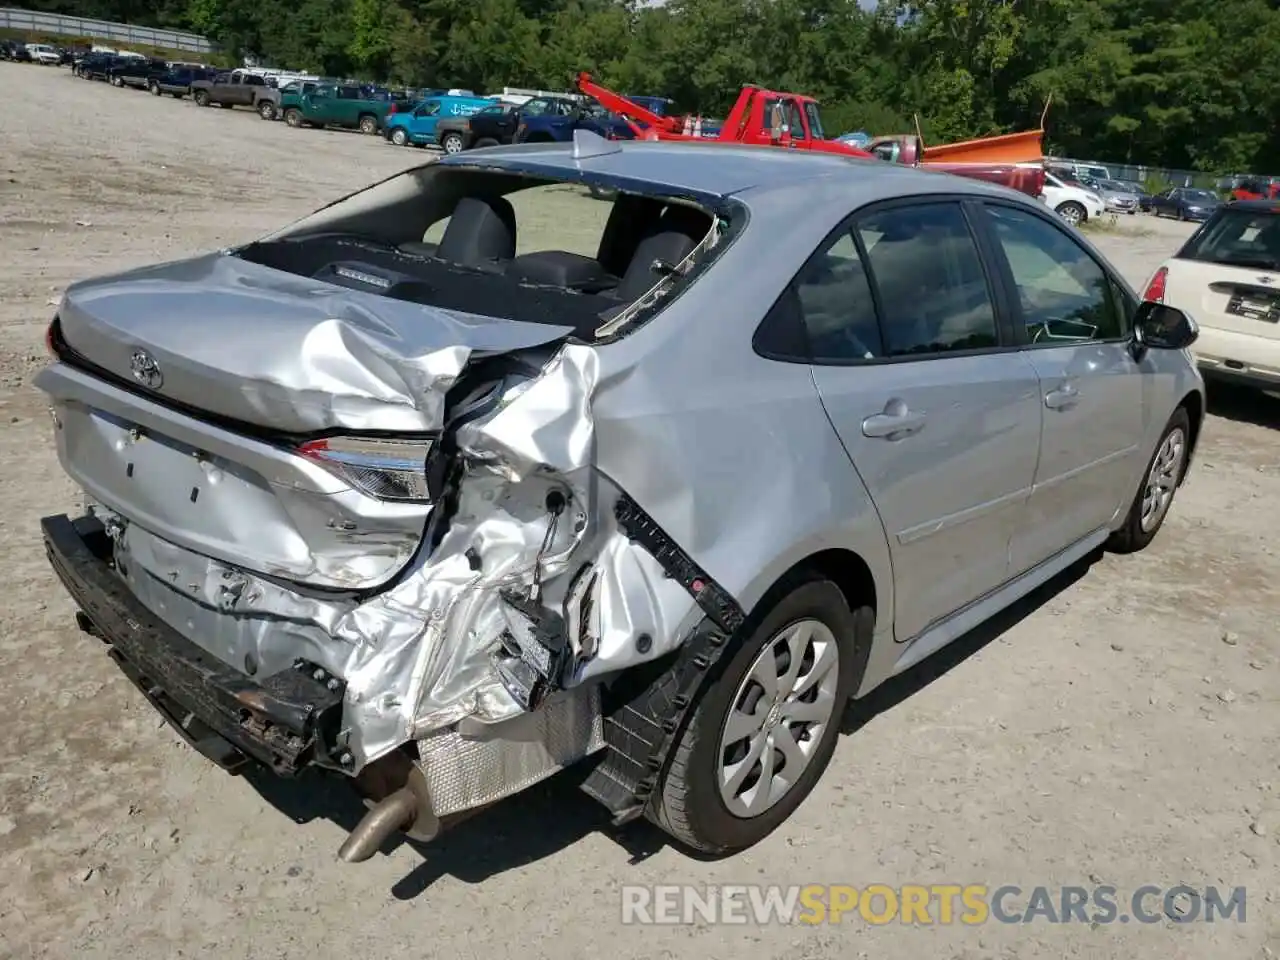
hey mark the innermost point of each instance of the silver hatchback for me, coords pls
(410, 493)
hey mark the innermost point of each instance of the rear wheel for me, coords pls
(267, 110)
(452, 142)
(399, 137)
(764, 727)
(1072, 212)
(117, 81)
(1164, 472)
(154, 88)
(368, 124)
(201, 97)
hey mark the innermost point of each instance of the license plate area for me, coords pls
(1254, 305)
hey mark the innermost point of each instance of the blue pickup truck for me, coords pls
(417, 127)
(590, 115)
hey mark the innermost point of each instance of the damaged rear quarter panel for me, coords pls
(732, 453)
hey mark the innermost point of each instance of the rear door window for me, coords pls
(933, 292)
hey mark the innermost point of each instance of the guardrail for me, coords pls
(29, 21)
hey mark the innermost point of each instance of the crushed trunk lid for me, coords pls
(282, 352)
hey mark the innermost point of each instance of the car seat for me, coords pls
(481, 233)
(669, 239)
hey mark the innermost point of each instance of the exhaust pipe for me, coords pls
(405, 810)
(397, 812)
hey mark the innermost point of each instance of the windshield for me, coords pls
(1242, 238)
(815, 121)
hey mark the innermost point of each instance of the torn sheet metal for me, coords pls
(420, 656)
(321, 357)
(424, 648)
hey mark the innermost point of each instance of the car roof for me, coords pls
(720, 169)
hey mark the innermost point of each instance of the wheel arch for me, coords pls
(1194, 404)
(853, 576)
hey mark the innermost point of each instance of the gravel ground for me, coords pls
(1121, 729)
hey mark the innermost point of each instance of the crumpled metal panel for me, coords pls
(422, 650)
(282, 351)
(416, 658)
(222, 494)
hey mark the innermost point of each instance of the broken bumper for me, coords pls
(287, 721)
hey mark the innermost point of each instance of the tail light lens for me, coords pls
(383, 468)
(1155, 289)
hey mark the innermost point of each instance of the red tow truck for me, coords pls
(761, 117)
(775, 119)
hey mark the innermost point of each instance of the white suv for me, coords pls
(1072, 202)
(43, 53)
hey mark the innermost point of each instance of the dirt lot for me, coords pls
(1122, 729)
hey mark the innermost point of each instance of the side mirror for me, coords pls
(1158, 326)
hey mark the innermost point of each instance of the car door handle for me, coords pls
(895, 423)
(1064, 396)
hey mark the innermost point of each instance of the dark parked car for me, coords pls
(70, 55)
(1185, 203)
(14, 50)
(98, 66)
(136, 72)
(177, 80)
(488, 128)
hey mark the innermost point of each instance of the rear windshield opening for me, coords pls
(1238, 237)
(503, 244)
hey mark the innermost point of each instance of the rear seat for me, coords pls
(481, 233)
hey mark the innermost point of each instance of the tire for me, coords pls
(1072, 212)
(266, 110)
(201, 97)
(293, 117)
(368, 124)
(154, 88)
(452, 142)
(485, 142)
(690, 803)
(1164, 472)
(400, 137)
(117, 82)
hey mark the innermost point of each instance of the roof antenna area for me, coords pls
(588, 144)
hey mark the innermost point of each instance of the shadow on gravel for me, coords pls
(892, 692)
(554, 815)
(1243, 404)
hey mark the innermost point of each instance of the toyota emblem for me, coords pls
(145, 370)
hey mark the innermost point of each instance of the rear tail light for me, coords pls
(1155, 289)
(383, 468)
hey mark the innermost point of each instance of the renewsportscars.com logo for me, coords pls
(926, 905)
